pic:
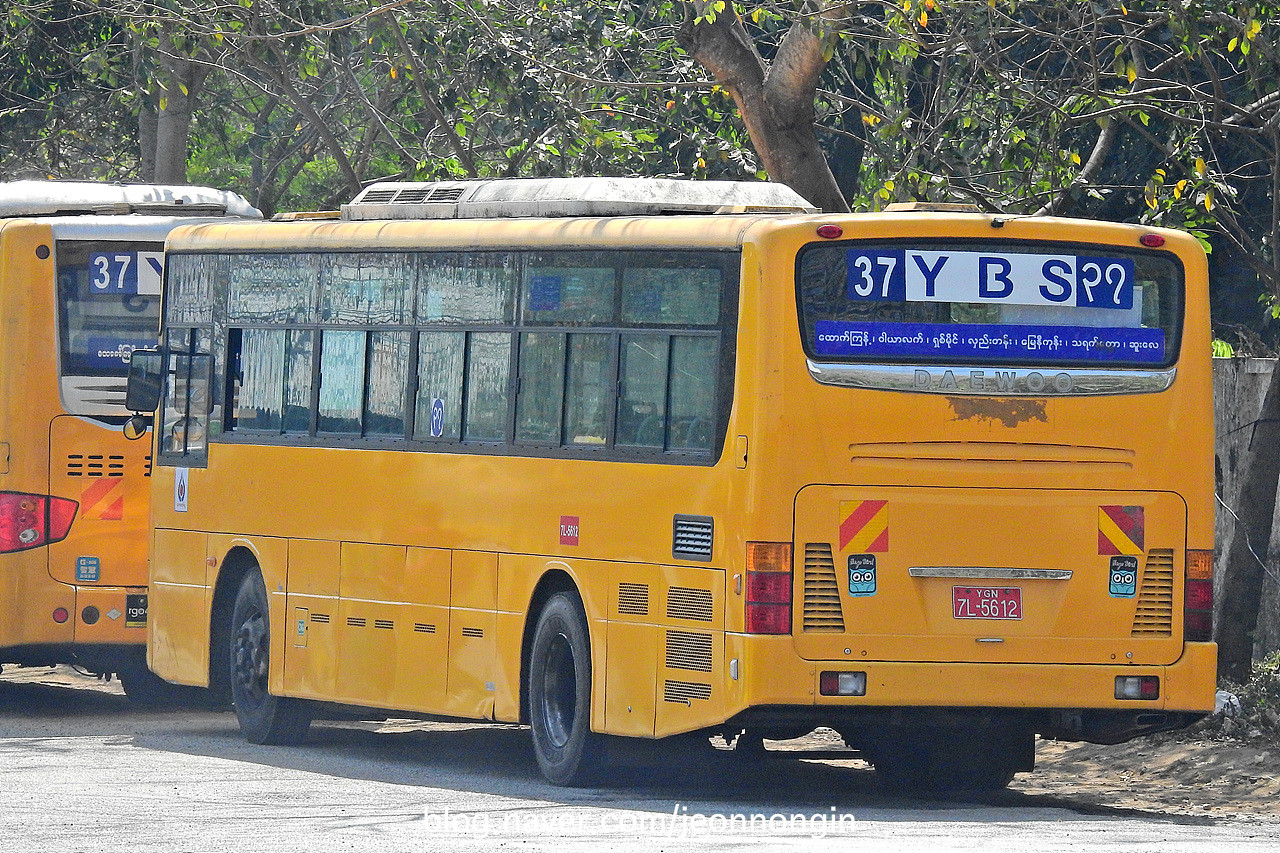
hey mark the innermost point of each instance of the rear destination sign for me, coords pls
(911, 275)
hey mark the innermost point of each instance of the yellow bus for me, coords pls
(80, 274)
(643, 458)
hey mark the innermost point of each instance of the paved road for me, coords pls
(81, 770)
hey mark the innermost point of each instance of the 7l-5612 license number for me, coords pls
(986, 602)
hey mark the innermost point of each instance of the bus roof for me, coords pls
(78, 198)
(560, 197)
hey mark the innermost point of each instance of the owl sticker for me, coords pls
(1124, 577)
(862, 575)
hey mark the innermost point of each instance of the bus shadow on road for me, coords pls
(467, 757)
(498, 760)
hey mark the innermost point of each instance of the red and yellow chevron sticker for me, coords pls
(864, 527)
(1121, 530)
(103, 499)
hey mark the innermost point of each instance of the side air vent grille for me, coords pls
(692, 537)
(95, 465)
(423, 628)
(633, 598)
(383, 623)
(821, 590)
(356, 622)
(1154, 617)
(473, 632)
(689, 650)
(686, 603)
(320, 618)
(682, 692)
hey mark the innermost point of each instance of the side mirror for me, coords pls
(146, 374)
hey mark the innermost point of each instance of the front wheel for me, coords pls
(264, 718)
(568, 752)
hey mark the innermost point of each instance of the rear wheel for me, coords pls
(264, 718)
(568, 752)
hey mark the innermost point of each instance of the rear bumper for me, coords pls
(1058, 700)
(109, 614)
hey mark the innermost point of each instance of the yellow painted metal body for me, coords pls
(421, 565)
(50, 452)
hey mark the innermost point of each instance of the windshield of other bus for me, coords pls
(950, 302)
(108, 304)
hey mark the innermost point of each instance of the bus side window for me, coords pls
(693, 380)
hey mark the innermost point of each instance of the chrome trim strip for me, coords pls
(988, 573)
(993, 381)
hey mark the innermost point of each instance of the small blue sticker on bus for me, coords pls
(862, 575)
(544, 292)
(989, 341)
(437, 417)
(87, 569)
(1124, 577)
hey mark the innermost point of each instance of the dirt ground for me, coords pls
(1204, 772)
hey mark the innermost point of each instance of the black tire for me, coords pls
(568, 752)
(264, 718)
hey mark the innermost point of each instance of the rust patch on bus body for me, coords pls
(1003, 409)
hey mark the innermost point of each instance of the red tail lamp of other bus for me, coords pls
(29, 521)
(768, 587)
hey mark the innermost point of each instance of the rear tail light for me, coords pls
(1197, 607)
(1138, 687)
(29, 521)
(768, 587)
(842, 684)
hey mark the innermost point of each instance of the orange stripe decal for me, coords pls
(864, 526)
(103, 499)
(1121, 530)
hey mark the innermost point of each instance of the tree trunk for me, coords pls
(180, 80)
(146, 140)
(1243, 574)
(774, 100)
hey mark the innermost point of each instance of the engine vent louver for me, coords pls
(692, 537)
(683, 692)
(688, 650)
(821, 590)
(686, 603)
(423, 628)
(1154, 616)
(633, 599)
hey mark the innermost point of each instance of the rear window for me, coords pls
(987, 303)
(109, 304)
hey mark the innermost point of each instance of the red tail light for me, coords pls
(29, 521)
(768, 588)
(1197, 599)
